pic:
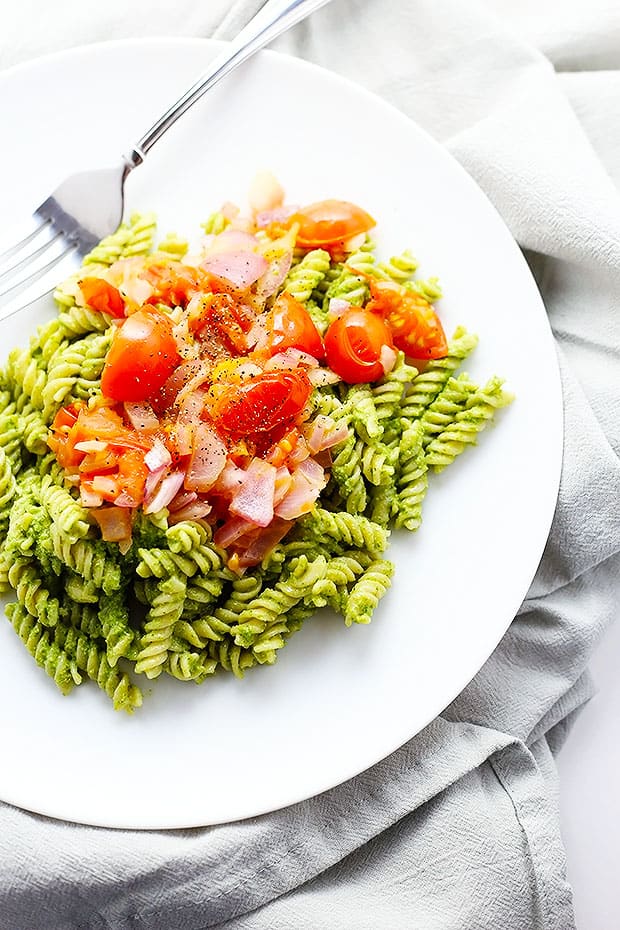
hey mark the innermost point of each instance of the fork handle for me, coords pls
(274, 18)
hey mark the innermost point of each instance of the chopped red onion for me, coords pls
(197, 510)
(91, 445)
(253, 501)
(166, 491)
(141, 416)
(241, 268)
(157, 457)
(388, 358)
(207, 460)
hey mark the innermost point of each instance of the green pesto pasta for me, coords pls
(171, 601)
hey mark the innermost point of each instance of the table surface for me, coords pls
(588, 765)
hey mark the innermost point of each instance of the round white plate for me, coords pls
(338, 700)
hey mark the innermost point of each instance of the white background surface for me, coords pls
(589, 764)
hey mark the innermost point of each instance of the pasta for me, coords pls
(169, 594)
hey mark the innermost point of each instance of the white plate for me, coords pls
(338, 700)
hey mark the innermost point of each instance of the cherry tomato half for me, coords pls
(331, 222)
(267, 401)
(142, 356)
(416, 328)
(290, 326)
(353, 344)
(101, 296)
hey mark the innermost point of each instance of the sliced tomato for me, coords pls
(142, 357)
(266, 402)
(330, 223)
(416, 328)
(290, 326)
(101, 296)
(353, 344)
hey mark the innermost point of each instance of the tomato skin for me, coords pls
(416, 328)
(330, 223)
(142, 356)
(290, 326)
(101, 296)
(353, 345)
(265, 402)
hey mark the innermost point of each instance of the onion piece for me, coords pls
(300, 498)
(319, 377)
(300, 452)
(114, 523)
(253, 501)
(167, 491)
(323, 432)
(241, 268)
(284, 480)
(181, 500)
(230, 480)
(289, 359)
(388, 358)
(277, 271)
(233, 529)
(231, 240)
(158, 456)
(141, 416)
(92, 445)
(264, 543)
(266, 192)
(276, 215)
(184, 434)
(313, 472)
(207, 460)
(337, 306)
(229, 210)
(89, 498)
(354, 242)
(197, 510)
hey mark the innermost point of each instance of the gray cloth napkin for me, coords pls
(459, 828)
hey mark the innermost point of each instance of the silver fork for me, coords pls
(89, 205)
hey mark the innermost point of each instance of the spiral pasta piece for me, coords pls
(400, 268)
(120, 638)
(368, 591)
(44, 650)
(165, 611)
(412, 482)
(468, 423)
(89, 658)
(429, 383)
(273, 602)
(11, 441)
(347, 473)
(173, 247)
(186, 536)
(346, 528)
(133, 238)
(341, 572)
(159, 563)
(446, 405)
(89, 558)
(8, 488)
(304, 277)
(190, 666)
(32, 592)
(68, 515)
(215, 224)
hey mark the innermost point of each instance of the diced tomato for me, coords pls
(221, 315)
(281, 450)
(101, 296)
(142, 356)
(132, 474)
(416, 328)
(353, 344)
(290, 326)
(330, 223)
(267, 401)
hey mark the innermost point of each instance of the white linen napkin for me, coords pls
(459, 828)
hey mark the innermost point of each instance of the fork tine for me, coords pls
(8, 253)
(35, 275)
(29, 258)
(29, 303)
